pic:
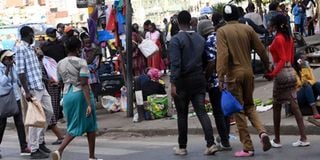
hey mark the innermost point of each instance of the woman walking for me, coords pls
(78, 104)
(8, 75)
(284, 91)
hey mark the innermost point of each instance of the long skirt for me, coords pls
(54, 92)
(155, 60)
(75, 108)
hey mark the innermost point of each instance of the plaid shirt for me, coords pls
(28, 63)
(211, 51)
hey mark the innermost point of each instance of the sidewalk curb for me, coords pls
(285, 130)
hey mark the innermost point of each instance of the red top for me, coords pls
(282, 51)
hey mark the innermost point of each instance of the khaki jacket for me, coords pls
(235, 41)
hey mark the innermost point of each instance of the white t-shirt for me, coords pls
(310, 10)
(255, 17)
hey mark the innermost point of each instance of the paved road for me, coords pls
(160, 148)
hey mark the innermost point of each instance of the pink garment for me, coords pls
(154, 74)
(155, 60)
(154, 36)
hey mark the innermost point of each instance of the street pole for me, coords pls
(129, 59)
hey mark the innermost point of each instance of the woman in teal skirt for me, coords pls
(78, 100)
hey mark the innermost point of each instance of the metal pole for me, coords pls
(129, 59)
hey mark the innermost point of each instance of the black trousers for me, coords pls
(192, 89)
(18, 121)
(310, 26)
(222, 122)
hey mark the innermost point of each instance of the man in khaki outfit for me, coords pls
(235, 42)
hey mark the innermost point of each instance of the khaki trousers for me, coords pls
(241, 85)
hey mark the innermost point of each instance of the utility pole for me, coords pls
(129, 59)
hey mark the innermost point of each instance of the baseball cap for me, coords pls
(50, 30)
(6, 54)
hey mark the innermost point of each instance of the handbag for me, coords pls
(8, 104)
(229, 103)
(148, 47)
(35, 116)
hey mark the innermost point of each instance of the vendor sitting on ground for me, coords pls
(151, 83)
(308, 89)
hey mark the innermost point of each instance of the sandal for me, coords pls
(275, 145)
(244, 154)
(57, 142)
(300, 144)
(55, 155)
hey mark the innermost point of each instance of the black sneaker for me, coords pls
(38, 155)
(44, 149)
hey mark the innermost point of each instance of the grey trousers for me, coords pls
(36, 135)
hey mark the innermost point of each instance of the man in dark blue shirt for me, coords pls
(188, 82)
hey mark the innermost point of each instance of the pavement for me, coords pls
(121, 125)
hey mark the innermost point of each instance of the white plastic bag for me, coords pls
(148, 47)
(110, 103)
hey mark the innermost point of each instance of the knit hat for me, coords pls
(205, 27)
(230, 12)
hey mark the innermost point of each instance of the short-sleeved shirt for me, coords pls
(70, 69)
(27, 62)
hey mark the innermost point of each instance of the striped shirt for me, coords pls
(28, 63)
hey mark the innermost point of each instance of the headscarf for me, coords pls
(154, 74)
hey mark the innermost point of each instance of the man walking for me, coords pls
(30, 75)
(188, 82)
(235, 42)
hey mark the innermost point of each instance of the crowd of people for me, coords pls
(203, 54)
(216, 56)
(24, 69)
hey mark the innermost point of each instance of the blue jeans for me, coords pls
(222, 122)
(306, 96)
(316, 89)
(182, 106)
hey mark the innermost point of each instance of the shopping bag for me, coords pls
(35, 116)
(157, 105)
(50, 66)
(229, 103)
(148, 47)
(8, 105)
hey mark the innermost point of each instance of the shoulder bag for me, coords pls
(8, 104)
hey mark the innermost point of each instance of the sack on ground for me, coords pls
(229, 103)
(148, 47)
(8, 105)
(157, 105)
(35, 116)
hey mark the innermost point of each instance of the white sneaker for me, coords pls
(180, 151)
(300, 144)
(275, 145)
